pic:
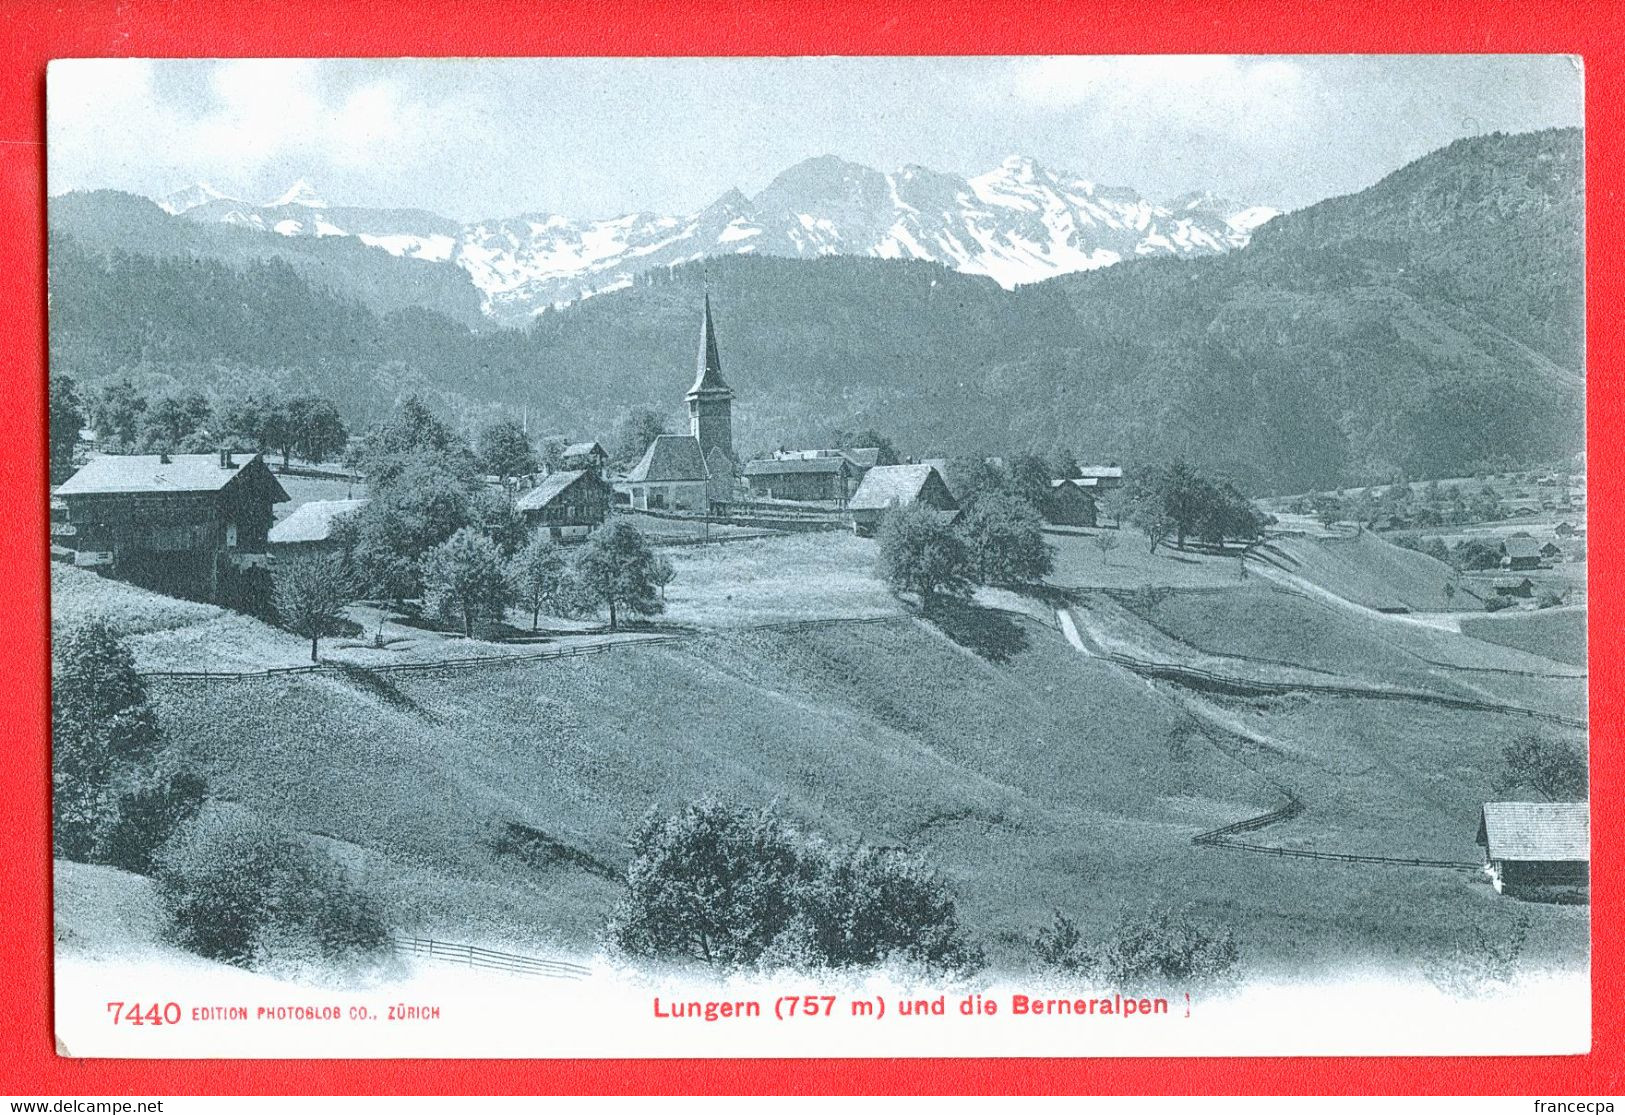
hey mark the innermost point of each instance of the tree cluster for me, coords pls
(128, 418)
(1555, 770)
(116, 796)
(997, 540)
(1179, 501)
(735, 887)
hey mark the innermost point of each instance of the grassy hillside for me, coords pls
(1558, 633)
(493, 806)
(1369, 571)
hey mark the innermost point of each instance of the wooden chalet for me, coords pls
(188, 524)
(1537, 850)
(1521, 552)
(587, 455)
(568, 505)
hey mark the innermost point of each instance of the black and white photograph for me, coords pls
(818, 556)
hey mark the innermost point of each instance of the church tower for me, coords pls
(710, 400)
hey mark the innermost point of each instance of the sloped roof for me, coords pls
(670, 457)
(313, 521)
(890, 485)
(1536, 830)
(1100, 472)
(1077, 482)
(1520, 546)
(583, 449)
(708, 373)
(149, 472)
(795, 464)
(867, 457)
(552, 486)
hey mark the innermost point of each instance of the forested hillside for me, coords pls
(1428, 325)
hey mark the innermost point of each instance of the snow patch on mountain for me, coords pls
(1020, 222)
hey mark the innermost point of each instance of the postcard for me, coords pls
(818, 556)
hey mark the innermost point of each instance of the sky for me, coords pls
(474, 138)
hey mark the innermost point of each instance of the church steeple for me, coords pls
(710, 400)
(708, 372)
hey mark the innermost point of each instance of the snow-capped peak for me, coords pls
(191, 197)
(300, 193)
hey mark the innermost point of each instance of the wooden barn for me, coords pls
(1537, 850)
(806, 479)
(1070, 503)
(188, 524)
(568, 505)
(887, 486)
(1522, 552)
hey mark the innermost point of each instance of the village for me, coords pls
(419, 566)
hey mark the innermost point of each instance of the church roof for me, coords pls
(708, 373)
(671, 457)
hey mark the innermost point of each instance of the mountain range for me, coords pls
(1430, 325)
(1017, 223)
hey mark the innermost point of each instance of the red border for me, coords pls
(34, 31)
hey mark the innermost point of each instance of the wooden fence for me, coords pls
(472, 956)
(1223, 838)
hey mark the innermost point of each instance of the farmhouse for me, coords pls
(1524, 588)
(1070, 503)
(1522, 552)
(312, 527)
(568, 505)
(588, 455)
(811, 478)
(887, 486)
(184, 525)
(1104, 476)
(1538, 850)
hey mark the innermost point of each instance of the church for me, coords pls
(692, 472)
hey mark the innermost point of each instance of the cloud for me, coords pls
(1195, 90)
(243, 121)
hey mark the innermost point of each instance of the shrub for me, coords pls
(733, 888)
(149, 815)
(1158, 948)
(245, 893)
(1497, 603)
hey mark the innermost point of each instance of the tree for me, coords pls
(503, 450)
(1553, 769)
(635, 431)
(1028, 479)
(1004, 542)
(66, 419)
(734, 887)
(619, 570)
(422, 504)
(116, 413)
(1157, 949)
(310, 594)
(921, 553)
(1105, 541)
(312, 428)
(494, 513)
(1149, 515)
(1113, 504)
(868, 438)
(1063, 464)
(174, 423)
(101, 726)
(412, 434)
(546, 581)
(465, 577)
